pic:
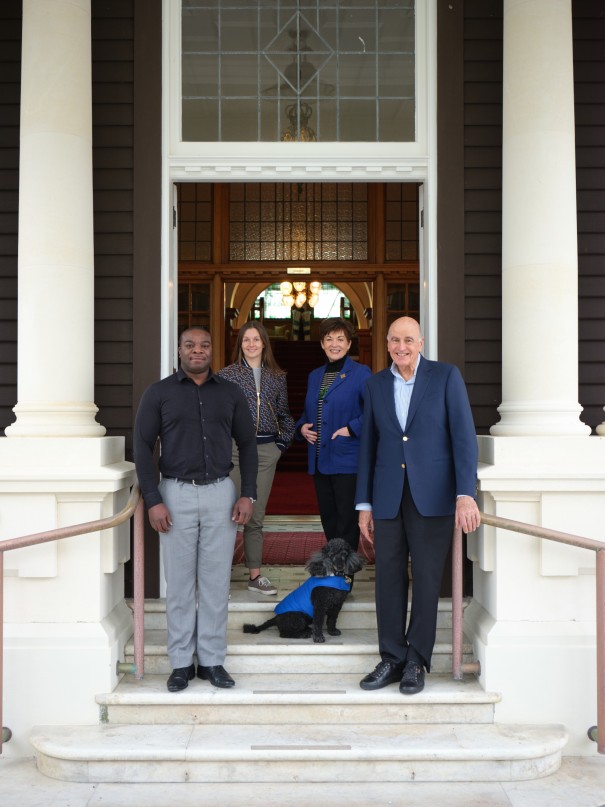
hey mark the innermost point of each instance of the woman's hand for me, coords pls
(342, 432)
(307, 432)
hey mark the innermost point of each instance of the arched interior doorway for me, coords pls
(236, 240)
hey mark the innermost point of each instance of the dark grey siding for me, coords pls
(10, 90)
(113, 160)
(589, 77)
(483, 207)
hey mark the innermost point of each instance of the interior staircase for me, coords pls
(297, 359)
(297, 713)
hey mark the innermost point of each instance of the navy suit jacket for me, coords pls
(437, 451)
(342, 406)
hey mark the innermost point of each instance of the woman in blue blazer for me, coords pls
(331, 425)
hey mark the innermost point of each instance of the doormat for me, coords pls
(289, 548)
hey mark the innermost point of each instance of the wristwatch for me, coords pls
(252, 499)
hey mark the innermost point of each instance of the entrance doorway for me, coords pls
(239, 242)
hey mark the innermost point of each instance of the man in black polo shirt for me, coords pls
(195, 414)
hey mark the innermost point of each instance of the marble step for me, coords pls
(298, 753)
(299, 699)
(358, 611)
(354, 651)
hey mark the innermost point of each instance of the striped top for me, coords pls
(332, 370)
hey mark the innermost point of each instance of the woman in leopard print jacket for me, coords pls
(255, 370)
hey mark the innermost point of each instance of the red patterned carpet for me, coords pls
(292, 494)
(288, 548)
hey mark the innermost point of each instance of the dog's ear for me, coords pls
(316, 565)
(354, 563)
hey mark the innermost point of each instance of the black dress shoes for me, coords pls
(386, 672)
(412, 680)
(180, 678)
(217, 676)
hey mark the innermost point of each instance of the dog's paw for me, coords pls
(334, 632)
(319, 639)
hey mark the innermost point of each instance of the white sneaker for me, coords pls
(262, 585)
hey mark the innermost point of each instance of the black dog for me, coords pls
(323, 594)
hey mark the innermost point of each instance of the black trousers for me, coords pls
(425, 540)
(336, 499)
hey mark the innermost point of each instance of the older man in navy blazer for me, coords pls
(416, 480)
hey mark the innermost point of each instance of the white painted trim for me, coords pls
(218, 159)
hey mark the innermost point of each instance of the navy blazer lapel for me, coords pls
(387, 389)
(423, 378)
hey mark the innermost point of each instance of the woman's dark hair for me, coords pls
(268, 357)
(335, 324)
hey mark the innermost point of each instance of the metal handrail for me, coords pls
(458, 668)
(133, 506)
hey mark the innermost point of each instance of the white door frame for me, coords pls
(301, 162)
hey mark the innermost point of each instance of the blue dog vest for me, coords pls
(300, 598)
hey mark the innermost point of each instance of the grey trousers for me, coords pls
(198, 554)
(268, 455)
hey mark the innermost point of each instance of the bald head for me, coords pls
(409, 323)
(405, 341)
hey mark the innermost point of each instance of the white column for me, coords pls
(531, 620)
(65, 615)
(539, 240)
(56, 255)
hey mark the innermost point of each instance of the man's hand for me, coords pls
(242, 510)
(366, 526)
(159, 517)
(467, 514)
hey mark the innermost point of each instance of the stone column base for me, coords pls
(533, 616)
(65, 619)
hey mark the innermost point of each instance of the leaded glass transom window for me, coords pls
(298, 222)
(298, 70)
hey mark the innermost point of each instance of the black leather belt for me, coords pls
(198, 483)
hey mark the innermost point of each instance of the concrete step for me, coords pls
(296, 699)
(355, 651)
(359, 610)
(298, 753)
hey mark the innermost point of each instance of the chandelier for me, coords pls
(299, 131)
(298, 293)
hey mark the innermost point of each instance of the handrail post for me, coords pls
(139, 591)
(457, 605)
(1, 641)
